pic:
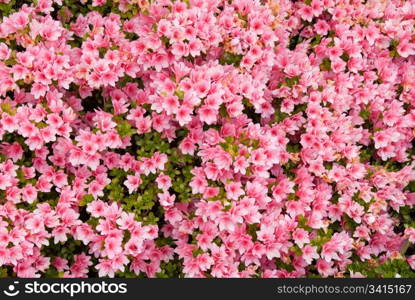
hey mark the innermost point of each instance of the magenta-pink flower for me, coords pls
(218, 139)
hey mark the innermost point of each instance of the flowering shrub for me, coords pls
(207, 138)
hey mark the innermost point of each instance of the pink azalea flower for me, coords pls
(234, 190)
(132, 183)
(163, 182)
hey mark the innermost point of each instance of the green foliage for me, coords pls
(345, 57)
(124, 128)
(171, 269)
(410, 187)
(291, 81)
(4, 272)
(293, 147)
(393, 52)
(323, 236)
(228, 58)
(11, 7)
(326, 64)
(294, 41)
(365, 113)
(302, 223)
(316, 40)
(389, 269)
(285, 266)
(144, 202)
(86, 199)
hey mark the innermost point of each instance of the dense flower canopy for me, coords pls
(207, 138)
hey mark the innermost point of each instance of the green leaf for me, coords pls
(325, 65)
(228, 58)
(86, 199)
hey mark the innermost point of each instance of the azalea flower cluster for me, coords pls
(207, 138)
